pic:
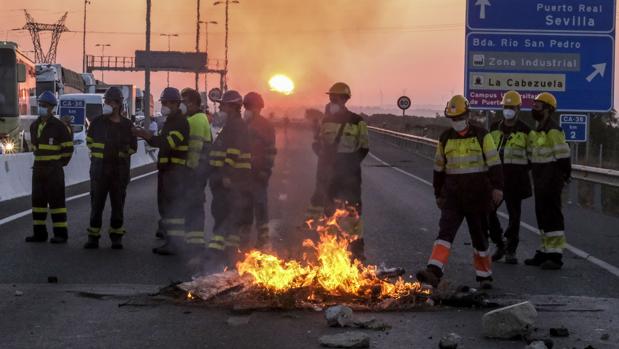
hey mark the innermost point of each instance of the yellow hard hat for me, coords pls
(339, 88)
(547, 98)
(458, 105)
(512, 99)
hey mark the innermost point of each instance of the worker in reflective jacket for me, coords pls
(200, 141)
(173, 144)
(468, 182)
(549, 154)
(230, 181)
(111, 145)
(511, 136)
(53, 147)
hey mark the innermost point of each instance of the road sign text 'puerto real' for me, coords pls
(564, 47)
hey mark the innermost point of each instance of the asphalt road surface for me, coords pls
(82, 310)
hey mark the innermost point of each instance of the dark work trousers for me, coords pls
(512, 233)
(110, 183)
(260, 202)
(230, 213)
(171, 200)
(346, 189)
(48, 190)
(548, 209)
(196, 197)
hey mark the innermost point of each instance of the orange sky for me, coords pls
(394, 46)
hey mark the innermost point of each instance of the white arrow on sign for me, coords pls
(600, 69)
(482, 7)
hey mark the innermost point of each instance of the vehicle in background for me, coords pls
(59, 80)
(90, 83)
(78, 110)
(139, 107)
(17, 89)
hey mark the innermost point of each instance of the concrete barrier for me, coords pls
(16, 169)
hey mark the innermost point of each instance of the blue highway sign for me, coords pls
(75, 109)
(575, 127)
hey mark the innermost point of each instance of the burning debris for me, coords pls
(326, 275)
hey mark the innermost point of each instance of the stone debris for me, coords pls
(559, 332)
(605, 337)
(537, 345)
(339, 316)
(18, 293)
(346, 340)
(237, 320)
(372, 324)
(509, 322)
(450, 341)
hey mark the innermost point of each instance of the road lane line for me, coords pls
(575, 250)
(75, 197)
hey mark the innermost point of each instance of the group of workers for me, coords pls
(476, 170)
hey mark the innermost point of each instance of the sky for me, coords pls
(381, 48)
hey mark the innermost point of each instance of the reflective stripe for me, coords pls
(171, 142)
(49, 147)
(97, 145)
(58, 210)
(482, 253)
(466, 170)
(117, 231)
(217, 153)
(38, 222)
(436, 263)
(94, 231)
(195, 234)
(554, 233)
(182, 148)
(163, 160)
(60, 224)
(440, 253)
(465, 159)
(216, 163)
(233, 151)
(442, 242)
(178, 135)
(216, 246)
(96, 155)
(243, 165)
(176, 232)
(66, 155)
(67, 144)
(196, 241)
(483, 274)
(178, 161)
(39, 209)
(174, 221)
(47, 157)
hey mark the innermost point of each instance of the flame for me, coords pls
(190, 296)
(332, 270)
(282, 84)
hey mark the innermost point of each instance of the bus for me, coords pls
(17, 97)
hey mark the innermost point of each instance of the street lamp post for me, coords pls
(86, 2)
(103, 46)
(169, 49)
(206, 23)
(227, 3)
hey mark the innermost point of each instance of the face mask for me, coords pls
(509, 114)
(333, 108)
(165, 111)
(459, 126)
(248, 114)
(538, 115)
(183, 108)
(42, 111)
(107, 109)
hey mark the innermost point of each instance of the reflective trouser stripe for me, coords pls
(217, 242)
(195, 237)
(38, 222)
(60, 224)
(553, 242)
(117, 231)
(94, 231)
(233, 241)
(482, 263)
(58, 210)
(39, 209)
(174, 226)
(173, 232)
(440, 253)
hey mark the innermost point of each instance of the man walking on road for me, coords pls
(341, 145)
(53, 147)
(173, 144)
(230, 159)
(262, 147)
(511, 137)
(549, 154)
(111, 145)
(468, 181)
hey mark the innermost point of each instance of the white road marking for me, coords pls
(575, 250)
(75, 197)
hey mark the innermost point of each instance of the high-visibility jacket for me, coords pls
(172, 141)
(110, 144)
(52, 142)
(262, 145)
(466, 169)
(549, 154)
(230, 154)
(512, 143)
(343, 141)
(200, 138)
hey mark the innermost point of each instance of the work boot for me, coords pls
(117, 241)
(357, 250)
(485, 284)
(169, 248)
(160, 235)
(553, 262)
(537, 260)
(428, 276)
(498, 254)
(92, 243)
(36, 238)
(510, 258)
(59, 239)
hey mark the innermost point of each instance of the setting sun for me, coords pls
(282, 84)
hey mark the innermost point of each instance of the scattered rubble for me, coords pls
(605, 337)
(509, 322)
(537, 345)
(339, 316)
(372, 324)
(559, 332)
(18, 293)
(346, 340)
(450, 341)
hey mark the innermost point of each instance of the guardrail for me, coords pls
(584, 173)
